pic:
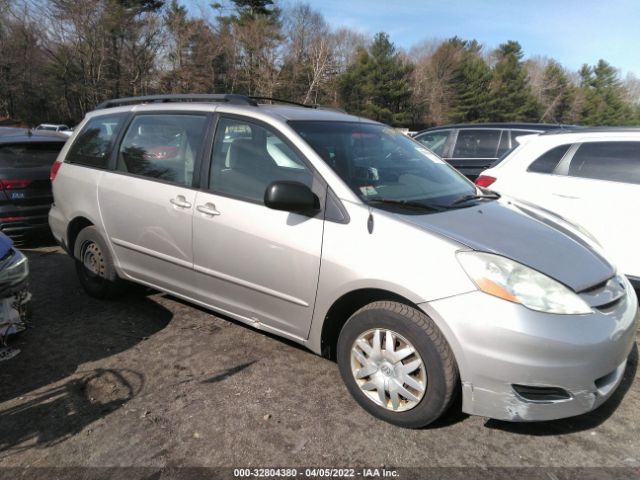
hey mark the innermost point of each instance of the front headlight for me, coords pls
(15, 270)
(512, 281)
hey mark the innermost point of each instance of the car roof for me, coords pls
(593, 130)
(513, 125)
(33, 137)
(12, 130)
(288, 112)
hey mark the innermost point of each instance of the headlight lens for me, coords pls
(15, 270)
(512, 281)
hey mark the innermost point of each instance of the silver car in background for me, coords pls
(354, 240)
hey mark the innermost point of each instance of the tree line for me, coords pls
(60, 58)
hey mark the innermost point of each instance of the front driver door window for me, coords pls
(257, 264)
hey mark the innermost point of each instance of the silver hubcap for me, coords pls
(388, 369)
(92, 260)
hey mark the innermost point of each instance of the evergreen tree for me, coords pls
(558, 94)
(376, 85)
(470, 85)
(604, 98)
(512, 99)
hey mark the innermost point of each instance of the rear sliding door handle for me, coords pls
(180, 202)
(208, 209)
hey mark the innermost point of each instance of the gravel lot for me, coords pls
(151, 381)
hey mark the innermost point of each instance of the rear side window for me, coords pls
(613, 161)
(477, 144)
(163, 147)
(548, 161)
(29, 155)
(93, 145)
(435, 141)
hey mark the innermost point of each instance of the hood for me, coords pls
(5, 244)
(525, 235)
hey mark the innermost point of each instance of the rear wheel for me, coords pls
(397, 364)
(94, 265)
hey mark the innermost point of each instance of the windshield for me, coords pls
(384, 167)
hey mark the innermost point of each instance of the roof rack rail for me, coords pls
(191, 97)
(280, 100)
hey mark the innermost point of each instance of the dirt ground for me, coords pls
(149, 380)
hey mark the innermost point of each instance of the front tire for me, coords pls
(94, 265)
(397, 364)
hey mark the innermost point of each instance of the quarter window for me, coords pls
(477, 144)
(436, 141)
(94, 143)
(163, 147)
(548, 161)
(247, 157)
(613, 161)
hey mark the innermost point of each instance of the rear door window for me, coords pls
(94, 143)
(435, 141)
(163, 147)
(612, 161)
(477, 143)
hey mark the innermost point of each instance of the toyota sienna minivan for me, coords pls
(354, 240)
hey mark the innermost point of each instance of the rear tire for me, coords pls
(397, 364)
(94, 265)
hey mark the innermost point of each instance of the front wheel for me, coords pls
(94, 265)
(397, 364)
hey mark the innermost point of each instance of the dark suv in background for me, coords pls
(474, 147)
(25, 189)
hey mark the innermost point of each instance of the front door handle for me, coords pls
(208, 209)
(180, 202)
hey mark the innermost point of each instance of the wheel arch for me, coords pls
(74, 228)
(345, 306)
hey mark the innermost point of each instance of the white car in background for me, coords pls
(53, 127)
(588, 176)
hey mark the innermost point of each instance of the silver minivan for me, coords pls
(354, 240)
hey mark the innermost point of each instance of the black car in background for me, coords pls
(25, 189)
(474, 147)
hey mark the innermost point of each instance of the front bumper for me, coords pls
(14, 293)
(498, 344)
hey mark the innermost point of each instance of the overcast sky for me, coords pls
(571, 31)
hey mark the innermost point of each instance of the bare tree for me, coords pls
(309, 59)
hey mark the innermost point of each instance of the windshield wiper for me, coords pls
(408, 203)
(476, 196)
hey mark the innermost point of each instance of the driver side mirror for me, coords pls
(293, 197)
